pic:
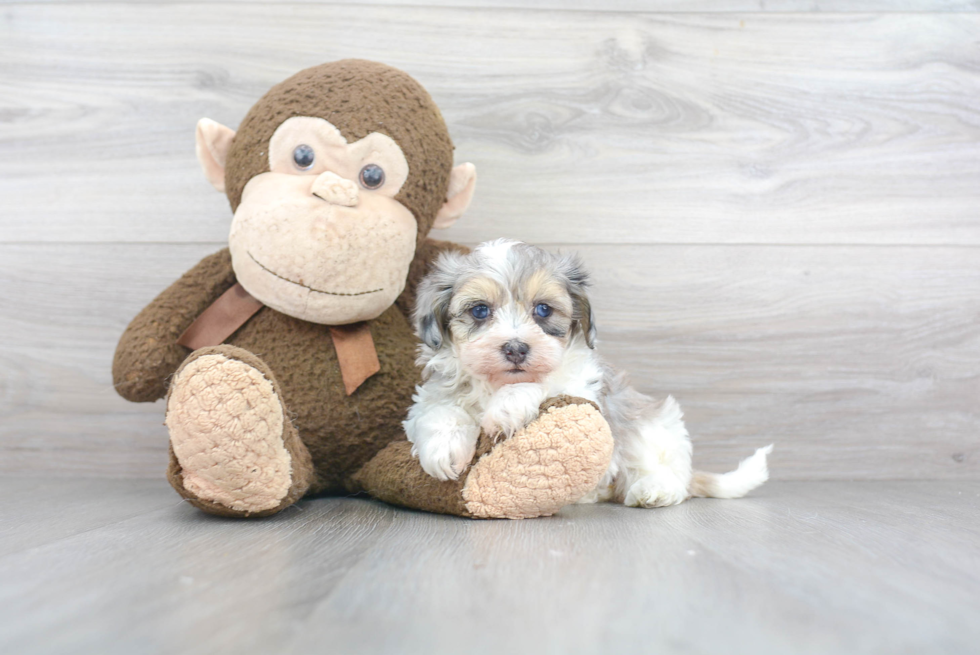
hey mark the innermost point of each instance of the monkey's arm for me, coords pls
(424, 256)
(148, 354)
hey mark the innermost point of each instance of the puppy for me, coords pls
(510, 325)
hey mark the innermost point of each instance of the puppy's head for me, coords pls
(508, 308)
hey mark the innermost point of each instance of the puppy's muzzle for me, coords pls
(515, 351)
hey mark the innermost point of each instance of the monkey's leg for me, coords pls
(553, 462)
(233, 451)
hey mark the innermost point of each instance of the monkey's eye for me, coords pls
(303, 157)
(372, 176)
(480, 312)
(542, 310)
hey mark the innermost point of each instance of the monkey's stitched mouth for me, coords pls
(299, 284)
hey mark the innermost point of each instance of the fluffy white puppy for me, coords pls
(510, 325)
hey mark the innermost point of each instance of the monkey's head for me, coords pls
(335, 176)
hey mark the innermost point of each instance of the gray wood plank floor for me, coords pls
(799, 567)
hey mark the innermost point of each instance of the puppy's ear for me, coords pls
(432, 300)
(577, 280)
(585, 317)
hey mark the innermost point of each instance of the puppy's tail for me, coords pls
(751, 473)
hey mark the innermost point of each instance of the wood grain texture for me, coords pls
(857, 362)
(601, 127)
(645, 6)
(37, 513)
(781, 209)
(888, 567)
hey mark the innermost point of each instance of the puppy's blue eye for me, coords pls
(542, 310)
(303, 157)
(480, 312)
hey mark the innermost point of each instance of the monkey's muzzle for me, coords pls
(335, 189)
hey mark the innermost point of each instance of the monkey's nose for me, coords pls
(515, 351)
(335, 189)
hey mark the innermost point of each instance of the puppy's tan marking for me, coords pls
(543, 287)
(476, 290)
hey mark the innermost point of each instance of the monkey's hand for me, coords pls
(444, 439)
(148, 354)
(512, 407)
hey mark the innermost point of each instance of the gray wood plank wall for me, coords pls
(780, 202)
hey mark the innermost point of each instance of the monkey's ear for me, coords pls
(462, 184)
(213, 141)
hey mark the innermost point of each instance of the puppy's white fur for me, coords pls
(470, 382)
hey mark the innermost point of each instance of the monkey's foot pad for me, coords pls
(553, 462)
(226, 429)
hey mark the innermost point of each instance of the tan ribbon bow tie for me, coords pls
(356, 354)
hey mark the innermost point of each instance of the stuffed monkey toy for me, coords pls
(287, 358)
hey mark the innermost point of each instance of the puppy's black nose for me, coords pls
(515, 351)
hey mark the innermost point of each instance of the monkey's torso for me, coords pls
(341, 432)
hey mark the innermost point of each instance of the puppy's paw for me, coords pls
(656, 491)
(447, 450)
(512, 407)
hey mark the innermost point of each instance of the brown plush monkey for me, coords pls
(287, 359)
